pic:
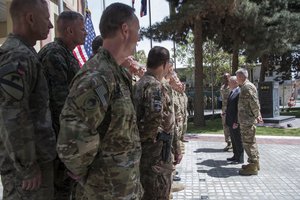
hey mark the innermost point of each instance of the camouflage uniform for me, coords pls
(224, 94)
(248, 111)
(27, 141)
(60, 66)
(155, 116)
(99, 139)
(183, 103)
(180, 110)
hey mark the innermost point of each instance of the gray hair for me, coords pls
(66, 18)
(242, 71)
(233, 78)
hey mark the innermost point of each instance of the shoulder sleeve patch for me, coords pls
(11, 81)
(102, 93)
(13, 85)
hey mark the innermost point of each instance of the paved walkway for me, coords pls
(207, 175)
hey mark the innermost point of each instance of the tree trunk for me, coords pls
(263, 68)
(235, 57)
(199, 75)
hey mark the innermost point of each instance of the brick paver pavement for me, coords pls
(207, 175)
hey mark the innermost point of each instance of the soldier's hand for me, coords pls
(73, 176)
(178, 158)
(259, 119)
(235, 125)
(33, 183)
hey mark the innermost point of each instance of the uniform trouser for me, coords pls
(12, 185)
(249, 142)
(237, 145)
(110, 179)
(226, 130)
(63, 183)
(156, 175)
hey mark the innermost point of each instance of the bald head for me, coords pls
(233, 82)
(226, 77)
(19, 8)
(67, 19)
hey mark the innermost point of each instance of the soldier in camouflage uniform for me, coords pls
(248, 115)
(183, 106)
(155, 119)
(225, 90)
(178, 145)
(27, 141)
(60, 66)
(99, 140)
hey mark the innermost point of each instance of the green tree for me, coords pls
(141, 57)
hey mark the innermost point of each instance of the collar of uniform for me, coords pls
(246, 81)
(20, 39)
(61, 43)
(115, 66)
(150, 74)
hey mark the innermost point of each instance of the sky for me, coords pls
(159, 10)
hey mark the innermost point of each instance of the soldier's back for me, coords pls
(24, 99)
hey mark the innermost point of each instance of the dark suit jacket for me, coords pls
(232, 108)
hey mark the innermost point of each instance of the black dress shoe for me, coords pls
(176, 178)
(231, 159)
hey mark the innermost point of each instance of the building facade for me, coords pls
(54, 8)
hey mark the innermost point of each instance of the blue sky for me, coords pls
(159, 10)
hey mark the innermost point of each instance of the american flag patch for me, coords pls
(101, 92)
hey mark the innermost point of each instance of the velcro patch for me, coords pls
(157, 105)
(13, 85)
(102, 94)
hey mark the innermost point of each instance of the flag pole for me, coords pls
(103, 4)
(150, 24)
(60, 6)
(174, 49)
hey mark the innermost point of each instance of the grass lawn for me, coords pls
(215, 127)
(293, 112)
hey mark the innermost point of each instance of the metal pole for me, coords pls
(150, 24)
(174, 48)
(104, 5)
(212, 80)
(60, 6)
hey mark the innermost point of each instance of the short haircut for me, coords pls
(242, 71)
(157, 56)
(19, 7)
(113, 17)
(233, 78)
(97, 42)
(65, 18)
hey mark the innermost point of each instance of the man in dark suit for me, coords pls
(232, 122)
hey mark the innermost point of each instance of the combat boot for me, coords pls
(228, 147)
(257, 163)
(176, 187)
(250, 169)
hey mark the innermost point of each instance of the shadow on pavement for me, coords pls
(217, 170)
(221, 172)
(213, 163)
(208, 150)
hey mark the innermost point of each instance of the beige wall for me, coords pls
(6, 27)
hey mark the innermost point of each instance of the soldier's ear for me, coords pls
(69, 30)
(125, 30)
(29, 17)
